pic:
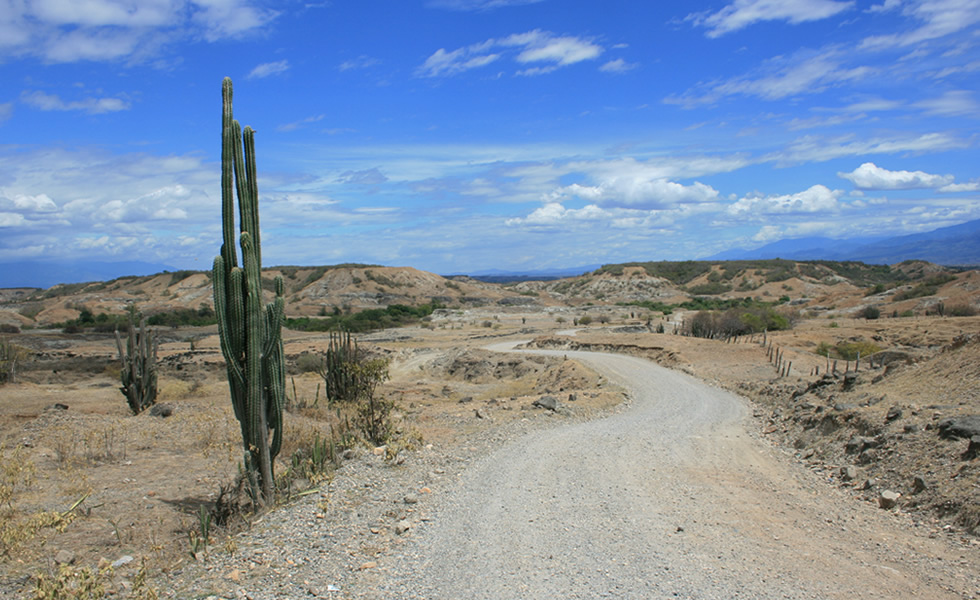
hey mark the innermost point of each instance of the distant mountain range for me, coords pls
(501, 276)
(958, 245)
(44, 274)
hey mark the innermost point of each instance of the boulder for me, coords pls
(960, 427)
(161, 410)
(547, 402)
(919, 484)
(893, 413)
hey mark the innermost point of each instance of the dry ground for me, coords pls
(142, 480)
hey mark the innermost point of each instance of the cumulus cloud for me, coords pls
(742, 13)
(554, 214)
(98, 30)
(268, 69)
(92, 106)
(870, 176)
(817, 198)
(543, 51)
(633, 191)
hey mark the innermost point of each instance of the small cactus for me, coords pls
(138, 373)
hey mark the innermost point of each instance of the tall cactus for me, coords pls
(251, 334)
(138, 373)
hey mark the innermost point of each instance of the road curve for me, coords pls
(668, 498)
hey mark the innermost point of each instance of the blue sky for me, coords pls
(464, 135)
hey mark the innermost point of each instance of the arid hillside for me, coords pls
(818, 288)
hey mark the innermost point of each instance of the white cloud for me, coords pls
(742, 13)
(617, 66)
(267, 69)
(820, 148)
(628, 190)
(298, 124)
(886, 6)
(92, 106)
(361, 62)
(869, 176)
(539, 47)
(6, 111)
(937, 18)
(805, 72)
(960, 187)
(817, 198)
(97, 30)
(956, 103)
(477, 5)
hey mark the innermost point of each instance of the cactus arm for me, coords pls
(227, 177)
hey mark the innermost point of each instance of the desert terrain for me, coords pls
(147, 500)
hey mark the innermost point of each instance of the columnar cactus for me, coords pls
(138, 373)
(251, 334)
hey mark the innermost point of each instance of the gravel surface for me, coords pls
(669, 497)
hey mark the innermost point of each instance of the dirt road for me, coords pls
(671, 497)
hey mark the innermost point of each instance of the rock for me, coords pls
(893, 413)
(960, 427)
(888, 499)
(466, 399)
(122, 560)
(858, 444)
(841, 407)
(402, 526)
(57, 406)
(161, 410)
(919, 484)
(848, 473)
(368, 565)
(348, 454)
(973, 450)
(411, 499)
(64, 557)
(480, 414)
(548, 402)
(849, 380)
(572, 398)
(868, 484)
(912, 428)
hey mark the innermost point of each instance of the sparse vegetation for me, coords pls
(395, 315)
(927, 288)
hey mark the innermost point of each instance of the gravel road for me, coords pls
(670, 497)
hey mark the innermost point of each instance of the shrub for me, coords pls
(870, 313)
(962, 310)
(848, 350)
